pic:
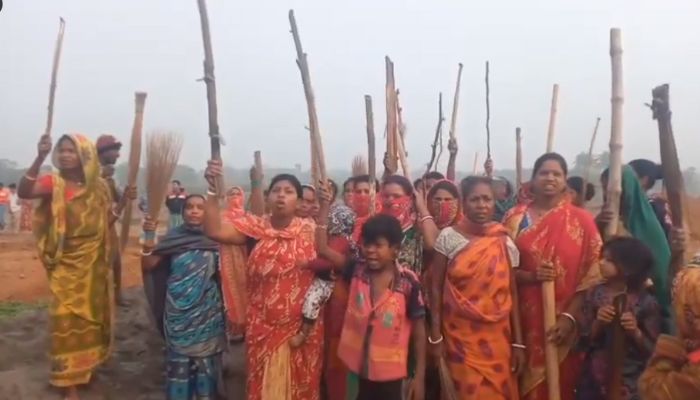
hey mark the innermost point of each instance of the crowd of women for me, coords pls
(343, 298)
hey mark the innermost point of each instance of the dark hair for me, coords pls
(333, 187)
(575, 183)
(12, 186)
(632, 257)
(401, 181)
(418, 183)
(364, 179)
(434, 175)
(469, 183)
(647, 169)
(444, 185)
(289, 178)
(382, 226)
(188, 198)
(550, 157)
(350, 180)
(176, 181)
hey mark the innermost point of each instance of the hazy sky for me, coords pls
(113, 48)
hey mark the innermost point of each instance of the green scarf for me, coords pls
(640, 220)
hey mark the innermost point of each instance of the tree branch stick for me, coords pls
(518, 160)
(134, 163)
(371, 154)
(589, 164)
(552, 118)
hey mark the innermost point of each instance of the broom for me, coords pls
(134, 164)
(162, 153)
(359, 166)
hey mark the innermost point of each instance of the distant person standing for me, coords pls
(175, 202)
(4, 205)
(15, 208)
(108, 152)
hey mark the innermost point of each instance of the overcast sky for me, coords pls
(113, 48)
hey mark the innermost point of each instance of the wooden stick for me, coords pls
(391, 128)
(618, 349)
(210, 82)
(518, 160)
(438, 133)
(488, 114)
(551, 353)
(134, 164)
(673, 177)
(310, 100)
(257, 158)
(455, 104)
(371, 156)
(476, 163)
(54, 75)
(400, 139)
(615, 171)
(552, 119)
(589, 164)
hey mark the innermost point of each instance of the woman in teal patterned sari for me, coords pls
(185, 296)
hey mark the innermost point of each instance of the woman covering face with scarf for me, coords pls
(235, 202)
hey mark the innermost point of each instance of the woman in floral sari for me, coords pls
(192, 311)
(474, 301)
(276, 287)
(72, 224)
(558, 242)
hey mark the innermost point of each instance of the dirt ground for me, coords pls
(135, 369)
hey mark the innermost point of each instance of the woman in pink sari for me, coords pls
(558, 242)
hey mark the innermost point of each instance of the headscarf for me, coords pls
(360, 204)
(686, 299)
(402, 209)
(235, 203)
(341, 222)
(640, 221)
(51, 216)
(446, 213)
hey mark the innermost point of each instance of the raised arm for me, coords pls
(338, 259)
(148, 260)
(212, 217)
(28, 187)
(426, 223)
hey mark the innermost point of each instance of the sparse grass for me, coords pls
(9, 309)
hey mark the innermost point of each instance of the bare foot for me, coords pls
(297, 340)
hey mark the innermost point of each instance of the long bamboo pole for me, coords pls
(400, 138)
(589, 164)
(552, 118)
(476, 163)
(210, 82)
(673, 177)
(488, 116)
(54, 75)
(455, 104)
(551, 353)
(518, 160)
(310, 100)
(391, 128)
(134, 164)
(616, 129)
(371, 154)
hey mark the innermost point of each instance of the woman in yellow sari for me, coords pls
(475, 322)
(72, 229)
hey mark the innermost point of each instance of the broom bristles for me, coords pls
(162, 153)
(359, 166)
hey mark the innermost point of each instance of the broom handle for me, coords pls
(589, 163)
(518, 160)
(371, 154)
(210, 81)
(316, 142)
(617, 100)
(54, 75)
(551, 353)
(134, 163)
(552, 118)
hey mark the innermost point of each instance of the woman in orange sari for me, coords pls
(276, 285)
(474, 301)
(558, 242)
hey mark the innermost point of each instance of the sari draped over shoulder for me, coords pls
(476, 313)
(74, 247)
(276, 286)
(567, 237)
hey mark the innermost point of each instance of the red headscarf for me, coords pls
(445, 213)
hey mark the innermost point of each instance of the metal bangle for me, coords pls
(431, 341)
(427, 217)
(211, 193)
(30, 178)
(519, 346)
(146, 254)
(570, 317)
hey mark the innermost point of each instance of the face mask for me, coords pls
(444, 213)
(401, 209)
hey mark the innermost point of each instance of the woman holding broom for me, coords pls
(276, 285)
(73, 222)
(474, 301)
(558, 242)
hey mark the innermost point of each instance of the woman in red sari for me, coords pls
(276, 285)
(558, 242)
